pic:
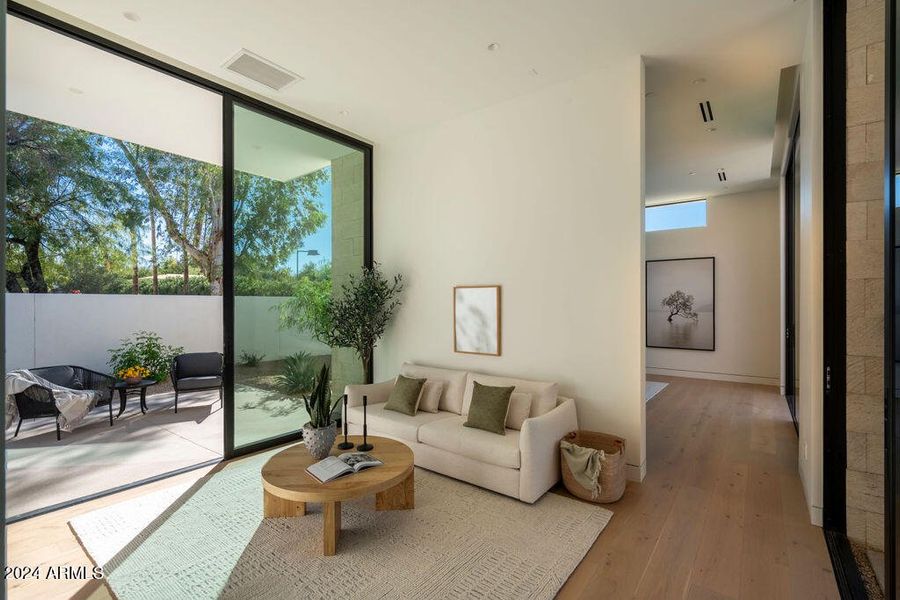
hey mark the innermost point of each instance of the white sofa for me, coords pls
(523, 464)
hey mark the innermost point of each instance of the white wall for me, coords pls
(810, 341)
(743, 233)
(542, 195)
(52, 329)
(256, 330)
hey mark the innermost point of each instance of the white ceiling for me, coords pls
(741, 82)
(267, 147)
(381, 68)
(57, 79)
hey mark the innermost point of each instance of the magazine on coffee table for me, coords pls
(333, 467)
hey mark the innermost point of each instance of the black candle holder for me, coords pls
(345, 445)
(365, 446)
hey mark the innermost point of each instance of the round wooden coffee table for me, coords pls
(287, 487)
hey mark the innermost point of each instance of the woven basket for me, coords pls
(612, 470)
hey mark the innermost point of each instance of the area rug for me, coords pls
(209, 540)
(652, 388)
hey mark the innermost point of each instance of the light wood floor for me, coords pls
(720, 514)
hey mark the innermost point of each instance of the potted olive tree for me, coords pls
(320, 431)
(356, 318)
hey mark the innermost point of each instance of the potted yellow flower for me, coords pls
(134, 374)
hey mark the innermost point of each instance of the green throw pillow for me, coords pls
(489, 407)
(404, 397)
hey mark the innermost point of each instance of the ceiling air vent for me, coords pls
(721, 175)
(260, 70)
(706, 111)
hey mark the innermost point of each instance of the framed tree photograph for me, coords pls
(476, 319)
(681, 303)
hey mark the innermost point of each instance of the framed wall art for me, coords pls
(681, 303)
(476, 319)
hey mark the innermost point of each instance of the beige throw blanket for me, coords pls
(72, 405)
(585, 464)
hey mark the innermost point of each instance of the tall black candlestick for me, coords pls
(365, 446)
(345, 445)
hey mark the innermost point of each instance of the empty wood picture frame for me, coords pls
(476, 319)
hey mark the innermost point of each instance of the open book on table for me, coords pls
(333, 467)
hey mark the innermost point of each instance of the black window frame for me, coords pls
(230, 96)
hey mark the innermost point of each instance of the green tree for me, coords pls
(271, 218)
(356, 318)
(57, 196)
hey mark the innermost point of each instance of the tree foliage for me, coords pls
(74, 196)
(680, 304)
(57, 196)
(356, 319)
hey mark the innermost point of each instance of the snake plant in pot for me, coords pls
(320, 432)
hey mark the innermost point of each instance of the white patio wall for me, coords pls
(52, 329)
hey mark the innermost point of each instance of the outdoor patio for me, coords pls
(95, 457)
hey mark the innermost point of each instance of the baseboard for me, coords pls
(635, 472)
(716, 376)
(815, 515)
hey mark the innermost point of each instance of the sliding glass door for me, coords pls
(298, 233)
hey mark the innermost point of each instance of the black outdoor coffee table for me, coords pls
(124, 388)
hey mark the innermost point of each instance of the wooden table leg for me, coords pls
(332, 531)
(273, 506)
(400, 497)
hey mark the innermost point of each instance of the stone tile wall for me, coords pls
(865, 271)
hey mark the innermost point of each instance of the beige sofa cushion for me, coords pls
(519, 409)
(431, 396)
(392, 423)
(454, 384)
(543, 393)
(483, 446)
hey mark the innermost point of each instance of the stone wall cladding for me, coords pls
(865, 271)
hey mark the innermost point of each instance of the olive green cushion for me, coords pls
(489, 408)
(405, 396)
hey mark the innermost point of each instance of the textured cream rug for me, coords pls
(209, 540)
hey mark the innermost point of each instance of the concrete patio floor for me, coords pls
(95, 457)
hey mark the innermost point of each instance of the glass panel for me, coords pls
(298, 235)
(675, 216)
(113, 188)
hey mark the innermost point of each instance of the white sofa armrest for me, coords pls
(376, 392)
(539, 447)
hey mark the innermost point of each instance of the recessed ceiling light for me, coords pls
(699, 80)
(344, 112)
(692, 173)
(76, 90)
(493, 46)
(710, 129)
(533, 72)
(649, 94)
(131, 16)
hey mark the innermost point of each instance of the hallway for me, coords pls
(721, 513)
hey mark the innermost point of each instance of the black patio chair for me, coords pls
(38, 401)
(196, 372)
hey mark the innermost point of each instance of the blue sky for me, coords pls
(675, 216)
(321, 239)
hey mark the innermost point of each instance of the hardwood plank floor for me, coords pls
(720, 515)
